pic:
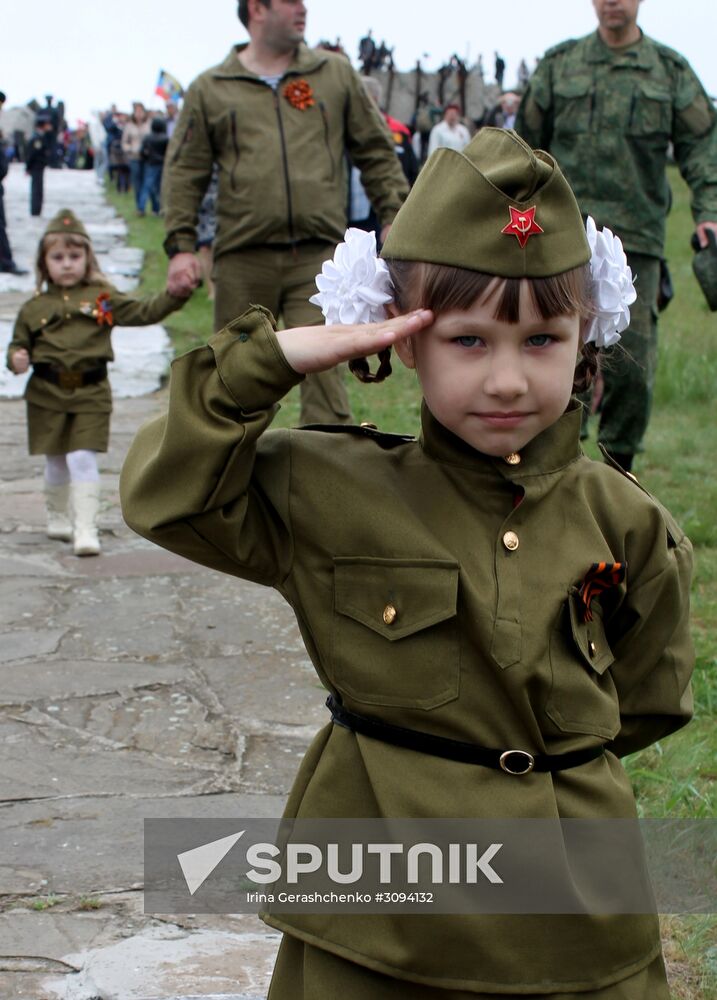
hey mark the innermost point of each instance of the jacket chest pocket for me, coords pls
(395, 638)
(573, 106)
(582, 698)
(650, 112)
(41, 324)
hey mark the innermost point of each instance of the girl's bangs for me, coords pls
(65, 239)
(441, 288)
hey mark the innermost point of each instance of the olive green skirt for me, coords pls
(303, 972)
(52, 432)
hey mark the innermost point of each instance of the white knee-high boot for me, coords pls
(57, 501)
(86, 505)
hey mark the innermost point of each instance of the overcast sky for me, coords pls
(91, 53)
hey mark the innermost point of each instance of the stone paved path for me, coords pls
(132, 685)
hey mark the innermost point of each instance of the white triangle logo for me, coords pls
(199, 863)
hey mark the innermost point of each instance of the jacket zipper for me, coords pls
(325, 120)
(236, 149)
(187, 135)
(286, 168)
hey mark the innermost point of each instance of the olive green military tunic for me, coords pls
(69, 329)
(483, 646)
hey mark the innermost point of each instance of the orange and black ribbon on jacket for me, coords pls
(103, 310)
(599, 578)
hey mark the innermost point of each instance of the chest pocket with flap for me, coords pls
(651, 112)
(573, 105)
(395, 633)
(583, 698)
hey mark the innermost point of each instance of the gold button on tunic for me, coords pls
(511, 541)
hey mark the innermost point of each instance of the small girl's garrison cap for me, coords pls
(67, 223)
(498, 207)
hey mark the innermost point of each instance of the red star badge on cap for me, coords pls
(522, 224)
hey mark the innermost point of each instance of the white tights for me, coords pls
(75, 466)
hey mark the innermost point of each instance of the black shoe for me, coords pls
(13, 269)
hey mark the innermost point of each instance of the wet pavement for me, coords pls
(132, 685)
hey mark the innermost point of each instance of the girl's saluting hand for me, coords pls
(318, 348)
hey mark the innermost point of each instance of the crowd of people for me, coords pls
(135, 143)
(134, 149)
(485, 586)
(64, 146)
(131, 154)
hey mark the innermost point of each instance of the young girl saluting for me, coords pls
(498, 619)
(64, 334)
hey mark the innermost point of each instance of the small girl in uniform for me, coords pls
(64, 334)
(497, 618)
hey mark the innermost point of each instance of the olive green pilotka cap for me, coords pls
(498, 207)
(66, 223)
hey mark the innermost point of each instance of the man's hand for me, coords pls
(183, 275)
(701, 230)
(318, 348)
(20, 361)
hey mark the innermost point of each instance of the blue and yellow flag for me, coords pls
(168, 87)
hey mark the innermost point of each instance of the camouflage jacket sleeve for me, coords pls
(130, 311)
(186, 176)
(694, 138)
(232, 512)
(654, 657)
(371, 148)
(534, 121)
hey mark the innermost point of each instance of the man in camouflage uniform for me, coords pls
(607, 106)
(278, 119)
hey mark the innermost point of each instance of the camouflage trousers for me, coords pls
(628, 369)
(281, 279)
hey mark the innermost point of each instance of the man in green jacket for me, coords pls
(607, 106)
(278, 118)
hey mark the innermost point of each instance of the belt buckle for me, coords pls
(70, 380)
(528, 757)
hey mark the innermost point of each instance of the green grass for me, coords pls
(89, 903)
(46, 902)
(677, 777)
(677, 467)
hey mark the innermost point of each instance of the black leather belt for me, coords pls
(293, 244)
(511, 761)
(73, 378)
